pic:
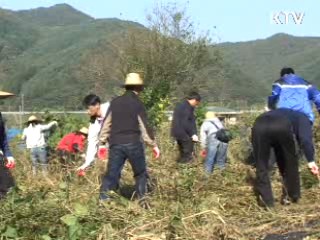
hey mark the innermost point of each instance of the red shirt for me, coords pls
(68, 142)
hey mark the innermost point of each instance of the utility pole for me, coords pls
(21, 109)
(22, 103)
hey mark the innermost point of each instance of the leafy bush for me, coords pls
(67, 123)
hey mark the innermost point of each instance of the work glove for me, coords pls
(195, 138)
(102, 152)
(11, 163)
(203, 153)
(313, 168)
(156, 152)
(81, 173)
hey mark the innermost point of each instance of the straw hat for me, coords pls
(134, 79)
(84, 131)
(4, 95)
(33, 118)
(210, 115)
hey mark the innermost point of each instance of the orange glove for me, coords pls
(156, 152)
(313, 168)
(203, 153)
(102, 153)
(11, 163)
(81, 173)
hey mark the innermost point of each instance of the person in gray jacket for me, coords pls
(213, 150)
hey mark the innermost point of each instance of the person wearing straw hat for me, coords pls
(214, 151)
(34, 135)
(124, 128)
(6, 159)
(72, 144)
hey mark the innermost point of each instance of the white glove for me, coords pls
(195, 138)
(83, 167)
(10, 160)
(313, 168)
(83, 155)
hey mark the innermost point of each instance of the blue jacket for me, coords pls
(295, 93)
(4, 146)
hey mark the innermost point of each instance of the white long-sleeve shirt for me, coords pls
(93, 135)
(208, 129)
(34, 135)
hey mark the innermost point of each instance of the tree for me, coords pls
(100, 69)
(170, 55)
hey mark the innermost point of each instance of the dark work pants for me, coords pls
(6, 179)
(275, 132)
(134, 152)
(185, 150)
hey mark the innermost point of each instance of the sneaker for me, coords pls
(104, 197)
(285, 201)
(263, 204)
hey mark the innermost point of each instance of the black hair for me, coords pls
(137, 88)
(194, 95)
(91, 100)
(286, 70)
(34, 123)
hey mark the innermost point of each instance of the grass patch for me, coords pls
(185, 203)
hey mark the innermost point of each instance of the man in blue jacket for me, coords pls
(293, 92)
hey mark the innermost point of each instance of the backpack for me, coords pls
(223, 135)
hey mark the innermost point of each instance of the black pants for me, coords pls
(186, 148)
(275, 132)
(6, 179)
(119, 153)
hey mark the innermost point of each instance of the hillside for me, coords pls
(54, 56)
(58, 15)
(50, 61)
(263, 59)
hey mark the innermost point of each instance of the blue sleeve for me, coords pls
(314, 95)
(272, 100)
(6, 148)
(4, 142)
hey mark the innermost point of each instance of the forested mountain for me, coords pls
(54, 56)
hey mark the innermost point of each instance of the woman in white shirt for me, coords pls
(36, 142)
